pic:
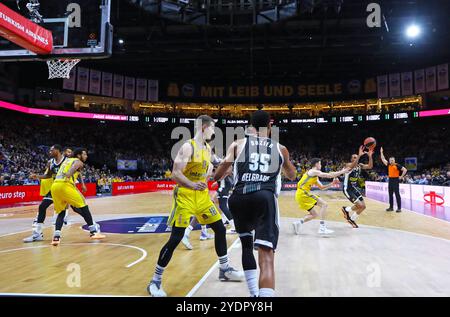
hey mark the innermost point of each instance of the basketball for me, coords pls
(370, 143)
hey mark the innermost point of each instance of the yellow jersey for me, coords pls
(306, 182)
(65, 167)
(196, 169)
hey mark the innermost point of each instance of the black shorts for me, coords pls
(48, 196)
(352, 193)
(256, 211)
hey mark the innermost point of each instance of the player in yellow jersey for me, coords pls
(191, 169)
(65, 193)
(315, 205)
(46, 181)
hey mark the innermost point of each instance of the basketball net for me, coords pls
(60, 68)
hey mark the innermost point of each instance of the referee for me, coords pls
(394, 170)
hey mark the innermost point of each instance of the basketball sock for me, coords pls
(159, 270)
(57, 233)
(354, 216)
(188, 230)
(266, 292)
(251, 276)
(204, 230)
(38, 228)
(322, 223)
(348, 209)
(223, 262)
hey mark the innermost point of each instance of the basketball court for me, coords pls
(389, 255)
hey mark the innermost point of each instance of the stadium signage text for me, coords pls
(297, 91)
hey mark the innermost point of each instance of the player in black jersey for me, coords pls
(223, 194)
(258, 162)
(351, 190)
(57, 158)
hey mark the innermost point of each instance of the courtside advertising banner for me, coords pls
(150, 186)
(10, 195)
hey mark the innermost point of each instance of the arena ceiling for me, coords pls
(318, 45)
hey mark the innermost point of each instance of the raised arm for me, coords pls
(289, 169)
(369, 165)
(179, 164)
(383, 159)
(356, 162)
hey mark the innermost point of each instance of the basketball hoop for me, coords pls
(60, 68)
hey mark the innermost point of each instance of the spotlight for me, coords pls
(413, 31)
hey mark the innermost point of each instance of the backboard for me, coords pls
(81, 29)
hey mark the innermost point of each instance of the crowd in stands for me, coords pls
(25, 140)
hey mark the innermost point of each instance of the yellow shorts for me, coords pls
(188, 203)
(64, 194)
(305, 200)
(46, 186)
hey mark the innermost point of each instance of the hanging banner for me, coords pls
(94, 82)
(394, 85)
(118, 86)
(267, 92)
(107, 81)
(383, 90)
(407, 84)
(430, 73)
(153, 90)
(69, 83)
(83, 79)
(141, 89)
(130, 88)
(442, 72)
(419, 81)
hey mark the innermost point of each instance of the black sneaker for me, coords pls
(347, 217)
(398, 210)
(345, 212)
(390, 209)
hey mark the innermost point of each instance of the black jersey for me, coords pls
(225, 187)
(352, 177)
(54, 167)
(258, 166)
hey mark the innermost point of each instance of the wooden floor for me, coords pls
(391, 254)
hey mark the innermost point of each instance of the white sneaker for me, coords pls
(155, 289)
(231, 275)
(187, 243)
(325, 231)
(297, 225)
(206, 236)
(34, 237)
